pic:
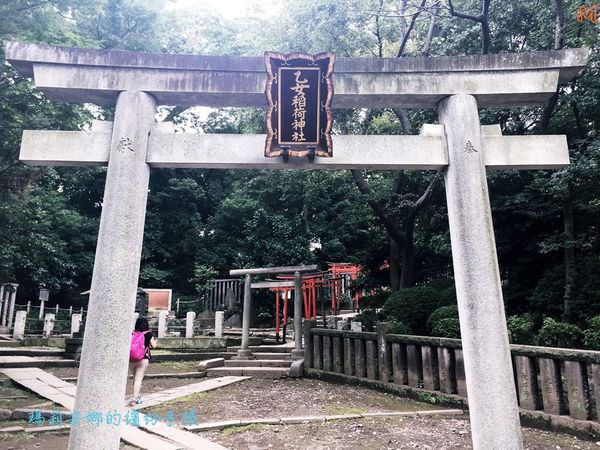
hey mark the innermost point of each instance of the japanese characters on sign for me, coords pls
(299, 91)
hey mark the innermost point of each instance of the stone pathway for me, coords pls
(63, 393)
(174, 393)
(220, 425)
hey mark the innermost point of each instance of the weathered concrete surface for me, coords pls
(298, 306)
(81, 75)
(189, 324)
(75, 323)
(48, 325)
(359, 358)
(192, 150)
(399, 364)
(19, 328)
(576, 379)
(550, 385)
(105, 353)
(526, 382)
(162, 324)
(488, 368)
(198, 342)
(219, 319)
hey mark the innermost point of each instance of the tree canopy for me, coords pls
(200, 223)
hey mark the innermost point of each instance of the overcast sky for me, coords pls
(230, 8)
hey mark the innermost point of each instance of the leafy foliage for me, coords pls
(559, 334)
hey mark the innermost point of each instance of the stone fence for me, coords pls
(557, 388)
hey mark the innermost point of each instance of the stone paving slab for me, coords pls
(38, 381)
(209, 426)
(182, 391)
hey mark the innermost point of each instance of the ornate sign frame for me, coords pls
(276, 145)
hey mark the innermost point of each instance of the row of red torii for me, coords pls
(335, 281)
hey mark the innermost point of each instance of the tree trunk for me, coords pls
(395, 266)
(408, 251)
(569, 235)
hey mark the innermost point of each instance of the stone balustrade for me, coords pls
(558, 388)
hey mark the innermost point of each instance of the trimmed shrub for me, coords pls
(395, 327)
(559, 334)
(445, 312)
(448, 327)
(368, 318)
(412, 307)
(591, 336)
(522, 329)
(376, 300)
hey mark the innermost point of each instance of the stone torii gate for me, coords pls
(456, 86)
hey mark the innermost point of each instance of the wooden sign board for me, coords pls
(299, 91)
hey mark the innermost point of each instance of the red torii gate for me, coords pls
(334, 279)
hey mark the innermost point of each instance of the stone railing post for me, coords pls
(308, 343)
(162, 324)
(189, 324)
(48, 325)
(19, 328)
(383, 353)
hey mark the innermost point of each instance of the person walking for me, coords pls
(142, 340)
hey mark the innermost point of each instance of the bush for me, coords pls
(445, 312)
(448, 327)
(368, 318)
(591, 336)
(395, 327)
(412, 307)
(522, 329)
(559, 334)
(375, 300)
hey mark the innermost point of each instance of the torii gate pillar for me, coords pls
(107, 334)
(490, 384)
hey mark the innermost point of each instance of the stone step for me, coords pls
(13, 362)
(258, 363)
(264, 348)
(23, 351)
(259, 372)
(271, 356)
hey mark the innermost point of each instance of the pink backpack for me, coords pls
(137, 350)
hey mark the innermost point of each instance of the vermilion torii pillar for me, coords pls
(456, 86)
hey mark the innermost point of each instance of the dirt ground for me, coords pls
(427, 433)
(259, 398)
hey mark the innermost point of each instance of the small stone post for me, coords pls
(28, 306)
(162, 324)
(41, 314)
(492, 404)
(219, 319)
(11, 308)
(189, 323)
(44, 295)
(244, 352)
(19, 329)
(2, 291)
(70, 311)
(75, 323)
(56, 309)
(5, 304)
(48, 325)
(298, 353)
